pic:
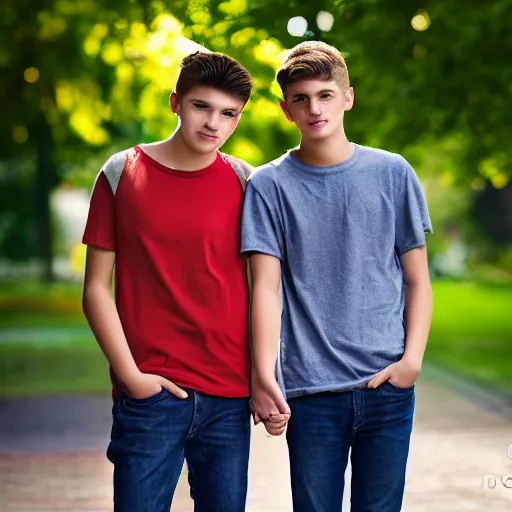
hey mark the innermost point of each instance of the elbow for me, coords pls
(266, 290)
(91, 294)
(86, 299)
(422, 287)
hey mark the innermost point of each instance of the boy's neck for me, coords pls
(324, 153)
(175, 154)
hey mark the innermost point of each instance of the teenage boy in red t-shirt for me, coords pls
(167, 217)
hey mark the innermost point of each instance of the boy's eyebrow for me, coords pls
(323, 91)
(197, 100)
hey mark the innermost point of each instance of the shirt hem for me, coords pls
(238, 392)
(331, 388)
(101, 245)
(414, 245)
(261, 250)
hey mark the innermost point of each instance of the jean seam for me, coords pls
(359, 401)
(193, 428)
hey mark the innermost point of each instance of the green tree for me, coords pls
(41, 48)
(425, 72)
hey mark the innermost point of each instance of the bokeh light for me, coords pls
(31, 75)
(421, 21)
(324, 21)
(297, 26)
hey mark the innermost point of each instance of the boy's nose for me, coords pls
(314, 108)
(211, 123)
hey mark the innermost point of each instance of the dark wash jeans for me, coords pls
(375, 423)
(152, 437)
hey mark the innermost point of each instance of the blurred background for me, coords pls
(83, 79)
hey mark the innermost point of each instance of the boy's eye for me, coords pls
(324, 96)
(200, 105)
(229, 113)
(299, 100)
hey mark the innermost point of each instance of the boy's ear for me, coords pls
(284, 108)
(349, 98)
(175, 106)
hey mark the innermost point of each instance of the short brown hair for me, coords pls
(313, 60)
(215, 70)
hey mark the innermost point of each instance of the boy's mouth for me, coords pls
(318, 124)
(207, 136)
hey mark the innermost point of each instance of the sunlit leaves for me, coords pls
(269, 52)
(247, 149)
(112, 53)
(125, 73)
(82, 100)
(243, 36)
(198, 12)
(492, 170)
(233, 7)
(86, 123)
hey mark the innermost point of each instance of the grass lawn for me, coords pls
(46, 347)
(471, 332)
(32, 370)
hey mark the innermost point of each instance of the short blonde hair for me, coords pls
(313, 60)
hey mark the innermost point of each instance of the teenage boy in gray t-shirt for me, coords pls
(342, 228)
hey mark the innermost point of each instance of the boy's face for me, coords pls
(317, 107)
(208, 117)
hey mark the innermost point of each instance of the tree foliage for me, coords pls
(80, 79)
(423, 71)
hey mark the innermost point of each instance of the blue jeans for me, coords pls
(152, 437)
(375, 423)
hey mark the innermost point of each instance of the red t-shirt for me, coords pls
(181, 287)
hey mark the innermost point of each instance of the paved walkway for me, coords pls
(459, 448)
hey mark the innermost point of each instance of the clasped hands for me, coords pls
(269, 406)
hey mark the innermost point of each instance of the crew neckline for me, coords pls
(329, 169)
(177, 172)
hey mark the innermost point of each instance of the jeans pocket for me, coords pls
(148, 400)
(398, 389)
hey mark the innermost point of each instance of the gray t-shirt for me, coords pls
(339, 232)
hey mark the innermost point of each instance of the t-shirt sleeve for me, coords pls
(412, 215)
(100, 228)
(260, 225)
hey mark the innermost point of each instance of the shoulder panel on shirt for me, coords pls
(113, 169)
(242, 169)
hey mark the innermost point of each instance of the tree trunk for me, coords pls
(45, 178)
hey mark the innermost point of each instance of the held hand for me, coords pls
(268, 401)
(144, 385)
(402, 374)
(277, 424)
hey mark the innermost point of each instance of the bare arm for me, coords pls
(268, 401)
(265, 314)
(418, 305)
(418, 316)
(101, 313)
